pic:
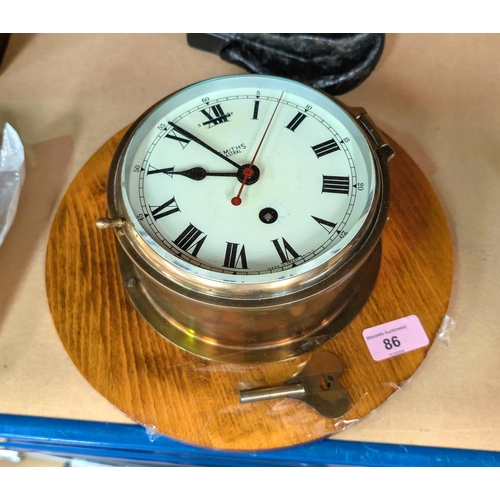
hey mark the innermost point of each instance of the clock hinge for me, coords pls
(383, 148)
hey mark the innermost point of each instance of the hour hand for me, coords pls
(195, 173)
(191, 137)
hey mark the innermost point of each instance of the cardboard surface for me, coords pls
(437, 95)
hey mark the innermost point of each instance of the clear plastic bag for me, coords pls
(12, 173)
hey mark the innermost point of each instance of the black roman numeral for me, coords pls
(256, 105)
(284, 251)
(327, 225)
(335, 184)
(325, 148)
(152, 170)
(233, 258)
(297, 120)
(168, 208)
(215, 115)
(190, 240)
(181, 140)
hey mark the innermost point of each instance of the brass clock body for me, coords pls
(248, 212)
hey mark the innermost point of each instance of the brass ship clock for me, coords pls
(248, 211)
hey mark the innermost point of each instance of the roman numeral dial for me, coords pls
(310, 187)
(325, 148)
(285, 250)
(179, 137)
(296, 121)
(190, 240)
(168, 208)
(327, 225)
(235, 256)
(335, 184)
(215, 115)
(168, 171)
(256, 106)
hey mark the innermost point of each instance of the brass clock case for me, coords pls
(252, 322)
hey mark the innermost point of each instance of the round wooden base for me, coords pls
(196, 400)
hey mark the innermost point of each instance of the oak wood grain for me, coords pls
(196, 400)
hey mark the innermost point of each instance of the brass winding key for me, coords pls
(317, 385)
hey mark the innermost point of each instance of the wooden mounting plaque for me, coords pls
(196, 400)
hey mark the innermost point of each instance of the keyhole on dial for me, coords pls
(268, 215)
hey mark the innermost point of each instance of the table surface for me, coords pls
(437, 95)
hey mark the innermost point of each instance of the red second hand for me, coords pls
(248, 171)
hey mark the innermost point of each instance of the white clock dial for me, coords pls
(189, 196)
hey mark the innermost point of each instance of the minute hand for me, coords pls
(192, 137)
